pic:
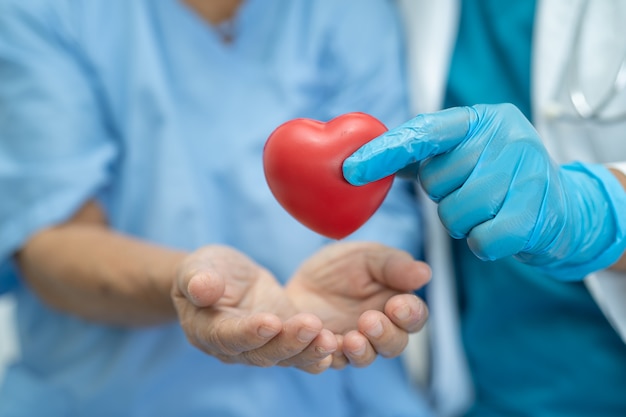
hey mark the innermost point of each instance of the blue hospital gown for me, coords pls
(138, 104)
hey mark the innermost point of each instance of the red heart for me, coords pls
(303, 167)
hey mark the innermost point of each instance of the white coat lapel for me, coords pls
(430, 28)
(555, 25)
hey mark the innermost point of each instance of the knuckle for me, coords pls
(256, 358)
(216, 339)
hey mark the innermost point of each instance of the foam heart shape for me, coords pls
(303, 161)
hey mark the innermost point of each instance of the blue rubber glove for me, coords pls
(496, 185)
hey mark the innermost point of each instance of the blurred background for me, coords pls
(8, 345)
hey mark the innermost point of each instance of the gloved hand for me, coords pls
(496, 185)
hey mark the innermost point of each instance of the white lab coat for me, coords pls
(431, 33)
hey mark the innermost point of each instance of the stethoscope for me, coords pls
(583, 110)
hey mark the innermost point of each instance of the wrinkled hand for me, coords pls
(497, 186)
(233, 309)
(347, 303)
(362, 291)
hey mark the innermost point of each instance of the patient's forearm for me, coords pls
(86, 269)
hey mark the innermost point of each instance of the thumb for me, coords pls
(398, 270)
(202, 287)
(424, 136)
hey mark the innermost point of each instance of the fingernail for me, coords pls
(359, 352)
(266, 332)
(192, 288)
(321, 351)
(402, 313)
(377, 330)
(422, 311)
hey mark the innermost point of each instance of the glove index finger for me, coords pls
(424, 136)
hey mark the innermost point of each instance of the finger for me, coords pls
(320, 348)
(233, 335)
(339, 359)
(201, 288)
(442, 174)
(398, 270)
(297, 333)
(318, 367)
(358, 350)
(407, 311)
(491, 137)
(510, 231)
(386, 338)
(476, 202)
(505, 235)
(422, 137)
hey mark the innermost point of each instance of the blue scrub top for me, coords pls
(140, 104)
(536, 346)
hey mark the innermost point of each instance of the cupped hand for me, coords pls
(235, 310)
(362, 291)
